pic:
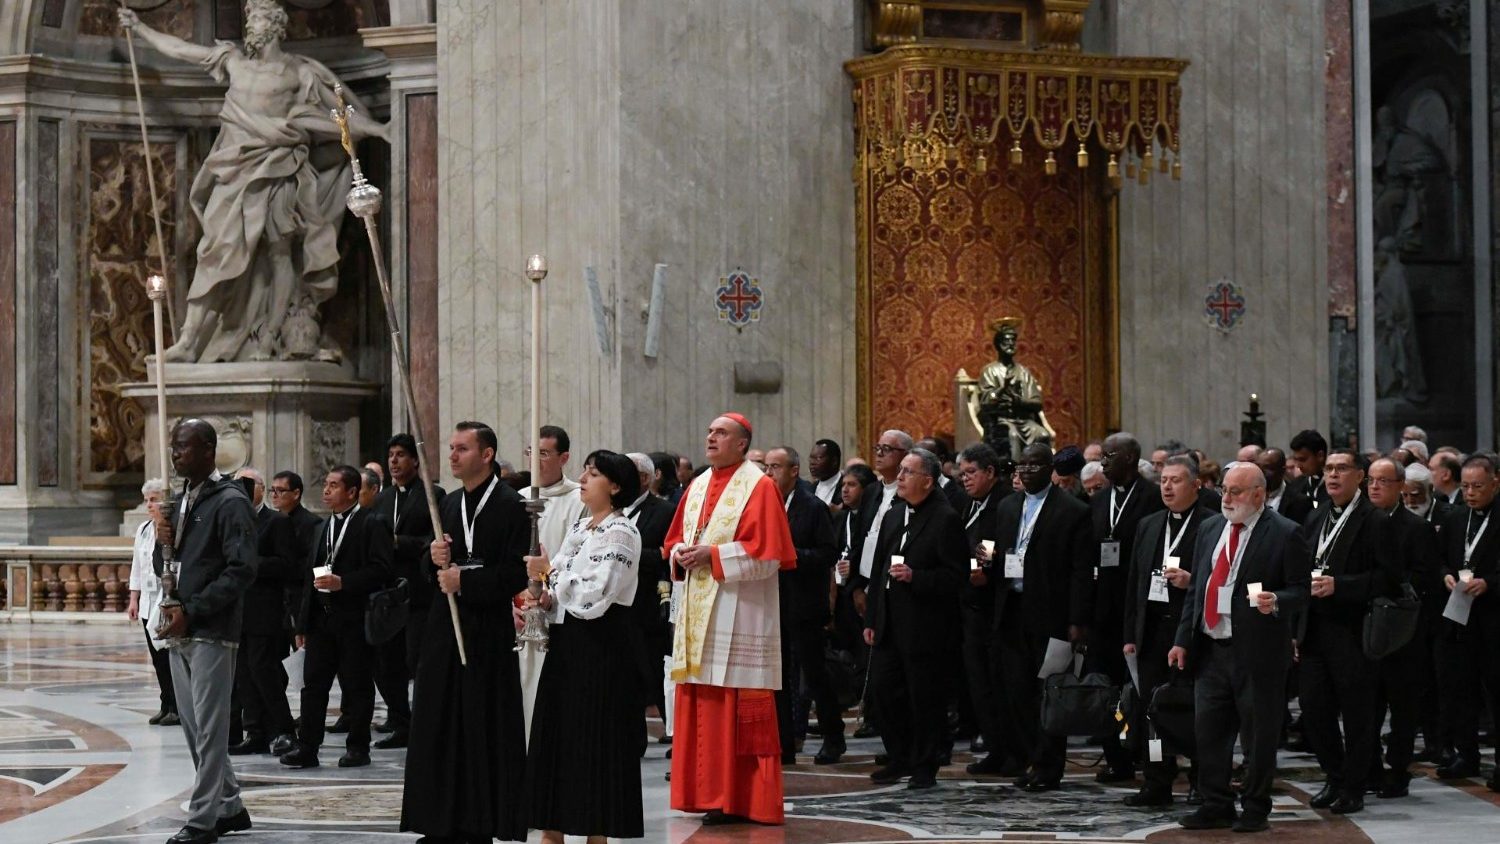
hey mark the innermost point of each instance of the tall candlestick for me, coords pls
(534, 630)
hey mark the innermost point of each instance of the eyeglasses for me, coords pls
(281, 490)
(1237, 491)
(882, 448)
(1338, 468)
(1473, 487)
(903, 471)
(1029, 468)
(1385, 481)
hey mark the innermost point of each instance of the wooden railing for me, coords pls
(64, 583)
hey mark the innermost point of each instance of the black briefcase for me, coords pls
(1170, 712)
(1391, 623)
(1079, 706)
(387, 612)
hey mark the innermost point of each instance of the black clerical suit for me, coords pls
(1312, 488)
(358, 545)
(1151, 624)
(1335, 678)
(910, 620)
(1404, 677)
(1467, 652)
(1294, 503)
(863, 521)
(265, 637)
(652, 517)
(405, 509)
(1240, 678)
(1116, 513)
(306, 528)
(976, 607)
(468, 742)
(804, 611)
(1056, 591)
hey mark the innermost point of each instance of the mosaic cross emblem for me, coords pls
(739, 299)
(1224, 305)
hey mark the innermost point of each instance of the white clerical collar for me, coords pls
(563, 486)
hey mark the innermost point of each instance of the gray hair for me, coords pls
(643, 463)
(1418, 449)
(371, 477)
(1416, 473)
(1186, 461)
(1146, 469)
(153, 486)
(1091, 470)
(903, 439)
(930, 462)
(1413, 432)
(792, 457)
(505, 465)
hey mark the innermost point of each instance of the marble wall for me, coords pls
(1251, 207)
(618, 134)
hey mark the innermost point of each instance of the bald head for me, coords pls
(1248, 453)
(1122, 459)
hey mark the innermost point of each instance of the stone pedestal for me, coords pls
(272, 416)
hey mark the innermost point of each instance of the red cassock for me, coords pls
(726, 752)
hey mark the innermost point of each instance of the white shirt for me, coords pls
(1273, 502)
(595, 568)
(142, 574)
(827, 490)
(561, 508)
(867, 551)
(1225, 628)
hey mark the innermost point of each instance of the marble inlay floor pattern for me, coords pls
(78, 763)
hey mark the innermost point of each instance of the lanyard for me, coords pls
(1171, 544)
(396, 511)
(1028, 525)
(1114, 513)
(1471, 544)
(905, 526)
(977, 510)
(463, 510)
(848, 533)
(1331, 536)
(335, 545)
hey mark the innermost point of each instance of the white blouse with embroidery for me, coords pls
(595, 568)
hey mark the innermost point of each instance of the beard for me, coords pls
(1420, 509)
(1237, 514)
(256, 40)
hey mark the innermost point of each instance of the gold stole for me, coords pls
(701, 589)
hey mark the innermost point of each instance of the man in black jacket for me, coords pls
(986, 479)
(920, 564)
(213, 533)
(1309, 451)
(1250, 576)
(1161, 569)
(404, 505)
(1044, 557)
(260, 679)
(351, 560)
(1288, 499)
(1352, 564)
(804, 593)
(652, 516)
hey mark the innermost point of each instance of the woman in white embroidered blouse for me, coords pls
(583, 774)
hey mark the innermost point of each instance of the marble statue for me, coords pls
(270, 196)
(1008, 400)
(1405, 153)
(1398, 357)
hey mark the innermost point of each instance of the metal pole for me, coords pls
(161, 243)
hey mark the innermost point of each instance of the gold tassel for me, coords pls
(1162, 164)
(1176, 170)
(1146, 159)
(1130, 170)
(890, 166)
(1050, 165)
(952, 154)
(1083, 156)
(981, 164)
(1145, 178)
(1015, 151)
(1114, 167)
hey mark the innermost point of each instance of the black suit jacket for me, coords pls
(1146, 559)
(1111, 589)
(1278, 559)
(958, 499)
(864, 519)
(1420, 557)
(653, 518)
(280, 569)
(1294, 503)
(917, 616)
(1439, 514)
(1059, 567)
(1312, 489)
(1486, 560)
(977, 528)
(364, 564)
(1361, 561)
(412, 531)
(804, 589)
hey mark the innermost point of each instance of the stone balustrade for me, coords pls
(64, 583)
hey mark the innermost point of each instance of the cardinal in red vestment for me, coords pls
(728, 540)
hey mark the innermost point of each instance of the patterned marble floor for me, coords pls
(79, 763)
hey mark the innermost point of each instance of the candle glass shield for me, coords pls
(533, 619)
(170, 570)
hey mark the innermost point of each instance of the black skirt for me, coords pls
(583, 767)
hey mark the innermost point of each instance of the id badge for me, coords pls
(1226, 600)
(1158, 588)
(1169, 563)
(1154, 749)
(1109, 554)
(1015, 565)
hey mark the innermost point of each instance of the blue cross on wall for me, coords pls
(739, 299)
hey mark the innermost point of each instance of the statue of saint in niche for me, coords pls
(1009, 397)
(1398, 356)
(270, 196)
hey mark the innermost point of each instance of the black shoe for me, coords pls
(1297, 744)
(1204, 819)
(169, 720)
(831, 752)
(989, 766)
(664, 740)
(156, 719)
(1024, 778)
(1110, 775)
(233, 823)
(888, 775)
(1348, 804)
(339, 726)
(1394, 788)
(1195, 797)
(249, 747)
(789, 758)
(354, 759)
(193, 835)
(669, 754)
(882, 759)
(945, 759)
(283, 744)
(1326, 797)
(1036, 786)
(921, 781)
(1149, 796)
(1251, 823)
(866, 731)
(1460, 768)
(1493, 783)
(300, 757)
(1435, 755)
(978, 746)
(394, 740)
(383, 727)
(718, 818)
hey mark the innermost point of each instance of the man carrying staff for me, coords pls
(728, 540)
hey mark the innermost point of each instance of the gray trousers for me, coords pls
(203, 676)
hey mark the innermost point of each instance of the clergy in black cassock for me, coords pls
(468, 745)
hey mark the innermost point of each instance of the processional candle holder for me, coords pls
(156, 291)
(534, 618)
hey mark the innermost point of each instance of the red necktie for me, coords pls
(1221, 574)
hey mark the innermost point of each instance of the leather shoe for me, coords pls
(233, 823)
(1394, 786)
(888, 775)
(354, 759)
(830, 753)
(921, 781)
(1036, 786)
(789, 758)
(283, 744)
(1348, 804)
(1025, 778)
(393, 741)
(1461, 767)
(977, 745)
(882, 759)
(339, 726)
(170, 719)
(988, 766)
(1325, 798)
(193, 835)
(716, 817)
(1251, 823)
(250, 746)
(1195, 797)
(383, 727)
(156, 719)
(1204, 819)
(866, 731)
(300, 757)
(1109, 775)
(1149, 796)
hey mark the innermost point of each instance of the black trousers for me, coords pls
(1338, 682)
(978, 649)
(336, 646)
(1469, 660)
(416, 631)
(260, 686)
(391, 679)
(1106, 656)
(1015, 660)
(1151, 663)
(1227, 697)
(1400, 685)
(161, 662)
(802, 661)
(907, 691)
